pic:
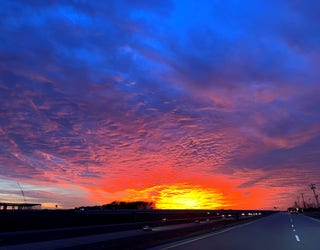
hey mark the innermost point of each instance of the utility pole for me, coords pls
(313, 188)
(310, 203)
(304, 203)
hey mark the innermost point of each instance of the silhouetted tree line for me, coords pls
(122, 205)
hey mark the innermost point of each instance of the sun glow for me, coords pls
(182, 196)
(177, 196)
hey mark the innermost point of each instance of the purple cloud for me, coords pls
(94, 91)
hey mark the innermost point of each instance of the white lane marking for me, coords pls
(294, 230)
(297, 238)
(314, 219)
(292, 225)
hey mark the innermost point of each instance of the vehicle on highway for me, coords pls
(147, 228)
(295, 210)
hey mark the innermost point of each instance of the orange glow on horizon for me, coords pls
(197, 192)
(50, 205)
(179, 196)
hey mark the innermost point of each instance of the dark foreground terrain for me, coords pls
(17, 220)
(111, 229)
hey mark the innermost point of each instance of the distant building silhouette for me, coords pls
(18, 206)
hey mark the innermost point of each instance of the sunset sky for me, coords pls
(189, 104)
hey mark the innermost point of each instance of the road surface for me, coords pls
(281, 231)
(52, 239)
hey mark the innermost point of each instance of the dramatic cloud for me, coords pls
(160, 99)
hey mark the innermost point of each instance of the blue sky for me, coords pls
(124, 99)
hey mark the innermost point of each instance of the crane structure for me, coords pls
(19, 205)
(24, 198)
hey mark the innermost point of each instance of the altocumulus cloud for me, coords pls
(130, 95)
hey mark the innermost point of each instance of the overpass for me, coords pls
(18, 206)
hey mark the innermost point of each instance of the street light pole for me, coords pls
(313, 188)
(304, 203)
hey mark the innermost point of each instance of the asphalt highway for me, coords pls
(52, 239)
(280, 231)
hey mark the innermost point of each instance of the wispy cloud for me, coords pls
(134, 95)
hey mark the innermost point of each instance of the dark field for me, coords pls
(15, 220)
(24, 227)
